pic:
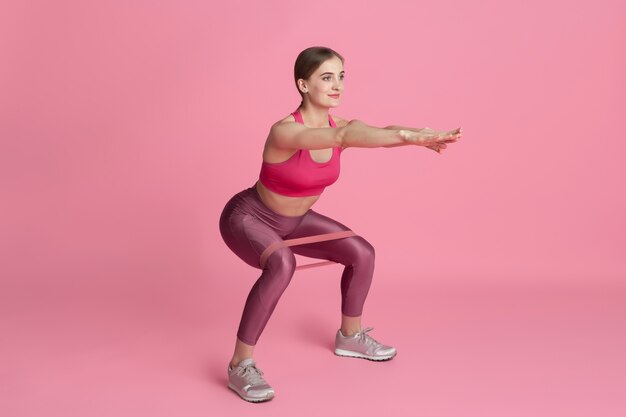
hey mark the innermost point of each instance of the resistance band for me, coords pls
(302, 240)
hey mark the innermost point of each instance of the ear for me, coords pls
(302, 86)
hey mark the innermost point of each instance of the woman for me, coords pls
(300, 158)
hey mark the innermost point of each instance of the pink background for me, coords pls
(125, 126)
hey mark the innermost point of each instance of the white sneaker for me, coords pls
(362, 345)
(247, 381)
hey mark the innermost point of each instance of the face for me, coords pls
(325, 86)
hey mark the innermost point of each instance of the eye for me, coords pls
(326, 78)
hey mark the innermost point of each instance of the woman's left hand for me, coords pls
(450, 137)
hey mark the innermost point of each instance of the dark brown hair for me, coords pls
(309, 60)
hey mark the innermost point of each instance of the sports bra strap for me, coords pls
(296, 115)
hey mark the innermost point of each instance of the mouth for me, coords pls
(334, 95)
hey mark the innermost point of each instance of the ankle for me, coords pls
(236, 361)
(349, 332)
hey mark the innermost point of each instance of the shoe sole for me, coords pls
(250, 399)
(351, 354)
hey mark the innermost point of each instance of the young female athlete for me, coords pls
(300, 158)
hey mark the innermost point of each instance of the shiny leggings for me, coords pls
(248, 226)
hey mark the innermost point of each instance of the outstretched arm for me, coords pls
(414, 129)
(358, 134)
(404, 143)
(292, 135)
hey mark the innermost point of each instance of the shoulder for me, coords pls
(281, 133)
(288, 120)
(286, 124)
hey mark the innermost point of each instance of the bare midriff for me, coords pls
(285, 205)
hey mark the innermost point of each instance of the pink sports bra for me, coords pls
(300, 175)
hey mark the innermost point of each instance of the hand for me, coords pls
(432, 139)
(452, 134)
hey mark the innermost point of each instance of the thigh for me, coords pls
(248, 237)
(342, 250)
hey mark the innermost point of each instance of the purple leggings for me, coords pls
(248, 226)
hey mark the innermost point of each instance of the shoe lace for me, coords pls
(365, 338)
(252, 374)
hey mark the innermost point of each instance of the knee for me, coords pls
(364, 251)
(282, 264)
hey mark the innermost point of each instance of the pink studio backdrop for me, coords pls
(125, 126)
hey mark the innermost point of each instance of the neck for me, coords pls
(314, 116)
